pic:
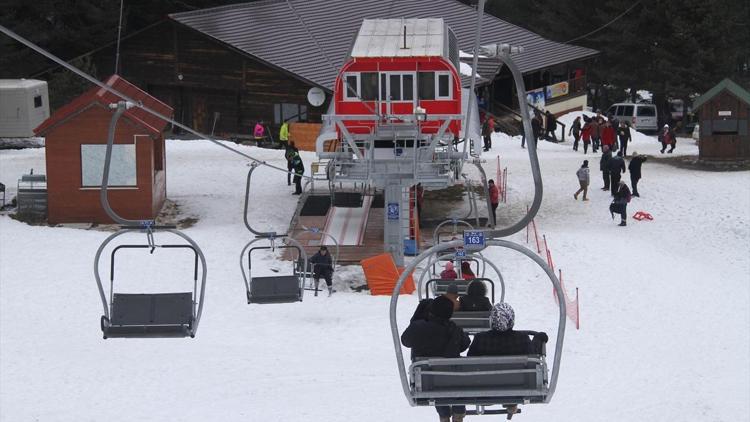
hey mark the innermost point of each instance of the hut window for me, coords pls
(37, 101)
(443, 86)
(426, 83)
(401, 86)
(122, 170)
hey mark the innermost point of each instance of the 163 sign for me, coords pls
(474, 240)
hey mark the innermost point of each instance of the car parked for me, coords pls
(642, 117)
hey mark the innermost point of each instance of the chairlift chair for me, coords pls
(174, 314)
(480, 381)
(277, 288)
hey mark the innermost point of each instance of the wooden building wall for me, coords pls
(198, 76)
(724, 137)
(69, 202)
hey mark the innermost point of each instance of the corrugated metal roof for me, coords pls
(312, 38)
(400, 38)
(103, 97)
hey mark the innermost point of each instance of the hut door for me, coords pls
(400, 90)
(200, 114)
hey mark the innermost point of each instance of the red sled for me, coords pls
(642, 215)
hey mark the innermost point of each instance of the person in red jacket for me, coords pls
(586, 134)
(466, 271)
(448, 273)
(494, 200)
(608, 135)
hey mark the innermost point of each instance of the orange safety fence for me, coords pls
(382, 274)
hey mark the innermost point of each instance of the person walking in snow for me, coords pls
(623, 133)
(536, 129)
(299, 169)
(619, 204)
(575, 129)
(604, 166)
(259, 132)
(323, 268)
(487, 128)
(438, 336)
(494, 200)
(667, 138)
(616, 168)
(502, 340)
(583, 180)
(586, 134)
(291, 150)
(284, 134)
(635, 171)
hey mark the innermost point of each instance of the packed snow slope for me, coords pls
(664, 305)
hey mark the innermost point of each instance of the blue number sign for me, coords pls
(460, 253)
(473, 239)
(393, 210)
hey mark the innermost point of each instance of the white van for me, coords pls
(642, 117)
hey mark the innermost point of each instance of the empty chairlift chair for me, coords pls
(286, 288)
(172, 314)
(277, 288)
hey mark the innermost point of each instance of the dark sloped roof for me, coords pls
(312, 38)
(727, 84)
(148, 121)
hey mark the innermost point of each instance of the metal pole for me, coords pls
(474, 63)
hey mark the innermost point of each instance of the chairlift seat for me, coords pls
(274, 289)
(480, 380)
(472, 322)
(151, 315)
(440, 287)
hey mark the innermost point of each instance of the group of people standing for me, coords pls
(612, 169)
(600, 132)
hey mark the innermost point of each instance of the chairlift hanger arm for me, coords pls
(102, 85)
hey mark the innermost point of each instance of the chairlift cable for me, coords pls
(107, 88)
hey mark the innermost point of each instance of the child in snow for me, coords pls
(619, 205)
(583, 180)
(667, 138)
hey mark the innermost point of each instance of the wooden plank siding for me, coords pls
(725, 146)
(198, 76)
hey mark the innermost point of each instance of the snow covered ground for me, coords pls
(664, 306)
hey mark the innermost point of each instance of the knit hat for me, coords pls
(449, 266)
(502, 317)
(635, 153)
(452, 289)
(442, 307)
(585, 163)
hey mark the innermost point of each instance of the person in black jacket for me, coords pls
(575, 130)
(437, 336)
(604, 166)
(476, 298)
(635, 171)
(551, 126)
(623, 134)
(323, 268)
(289, 152)
(502, 340)
(299, 169)
(616, 168)
(536, 129)
(619, 205)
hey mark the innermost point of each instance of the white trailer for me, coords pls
(24, 105)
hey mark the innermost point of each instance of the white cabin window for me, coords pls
(351, 86)
(443, 86)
